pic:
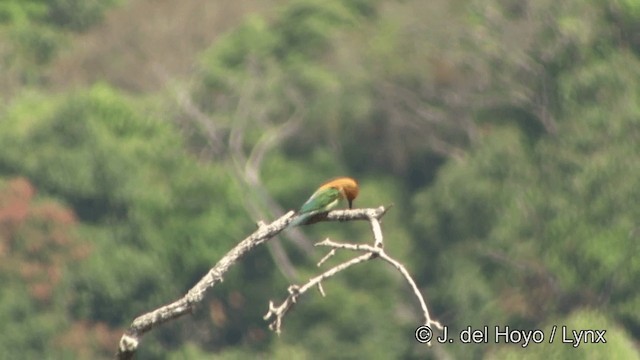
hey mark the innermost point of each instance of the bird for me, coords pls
(327, 197)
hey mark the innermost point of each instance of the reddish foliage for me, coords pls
(14, 205)
(54, 213)
(37, 243)
(217, 313)
(37, 238)
(41, 291)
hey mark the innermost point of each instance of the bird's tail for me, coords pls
(301, 219)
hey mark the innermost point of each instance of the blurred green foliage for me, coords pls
(505, 134)
(620, 345)
(33, 32)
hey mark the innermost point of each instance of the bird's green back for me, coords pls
(320, 200)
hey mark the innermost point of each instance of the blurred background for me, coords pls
(142, 139)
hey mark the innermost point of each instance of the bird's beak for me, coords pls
(350, 204)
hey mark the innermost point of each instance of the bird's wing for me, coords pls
(321, 200)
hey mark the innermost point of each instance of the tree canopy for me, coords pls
(505, 133)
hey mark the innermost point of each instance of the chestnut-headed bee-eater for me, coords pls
(327, 197)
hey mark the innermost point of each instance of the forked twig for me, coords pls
(277, 313)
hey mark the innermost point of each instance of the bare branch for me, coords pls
(383, 255)
(295, 291)
(326, 257)
(350, 215)
(142, 324)
(130, 340)
(277, 313)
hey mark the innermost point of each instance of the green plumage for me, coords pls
(321, 201)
